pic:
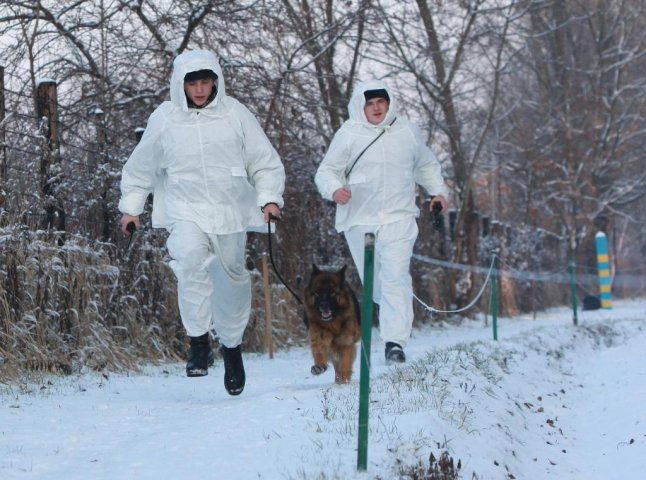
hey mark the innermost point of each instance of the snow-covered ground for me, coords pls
(546, 401)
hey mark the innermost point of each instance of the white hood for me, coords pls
(386, 163)
(212, 166)
(358, 102)
(193, 61)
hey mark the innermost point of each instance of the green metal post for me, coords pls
(494, 298)
(366, 333)
(575, 317)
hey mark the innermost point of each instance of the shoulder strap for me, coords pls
(347, 174)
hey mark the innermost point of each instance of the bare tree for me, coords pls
(452, 55)
(320, 46)
(112, 61)
(574, 144)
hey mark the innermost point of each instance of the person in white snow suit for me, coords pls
(374, 189)
(214, 176)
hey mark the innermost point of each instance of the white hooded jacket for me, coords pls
(213, 166)
(383, 179)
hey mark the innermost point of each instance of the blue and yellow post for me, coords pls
(603, 266)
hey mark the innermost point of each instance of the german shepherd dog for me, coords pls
(333, 321)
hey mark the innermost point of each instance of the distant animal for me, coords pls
(333, 321)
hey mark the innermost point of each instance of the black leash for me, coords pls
(131, 228)
(271, 258)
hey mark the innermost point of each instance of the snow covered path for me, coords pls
(606, 414)
(547, 400)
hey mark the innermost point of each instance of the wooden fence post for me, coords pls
(50, 172)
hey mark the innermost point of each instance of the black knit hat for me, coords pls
(378, 93)
(200, 75)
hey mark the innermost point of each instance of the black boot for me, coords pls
(394, 353)
(200, 357)
(234, 376)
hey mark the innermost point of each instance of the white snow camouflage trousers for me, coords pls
(213, 285)
(392, 282)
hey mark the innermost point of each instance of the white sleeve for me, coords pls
(330, 176)
(262, 162)
(142, 168)
(428, 171)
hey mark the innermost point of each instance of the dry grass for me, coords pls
(443, 468)
(84, 304)
(90, 305)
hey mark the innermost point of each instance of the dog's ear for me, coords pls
(315, 269)
(341, 273)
